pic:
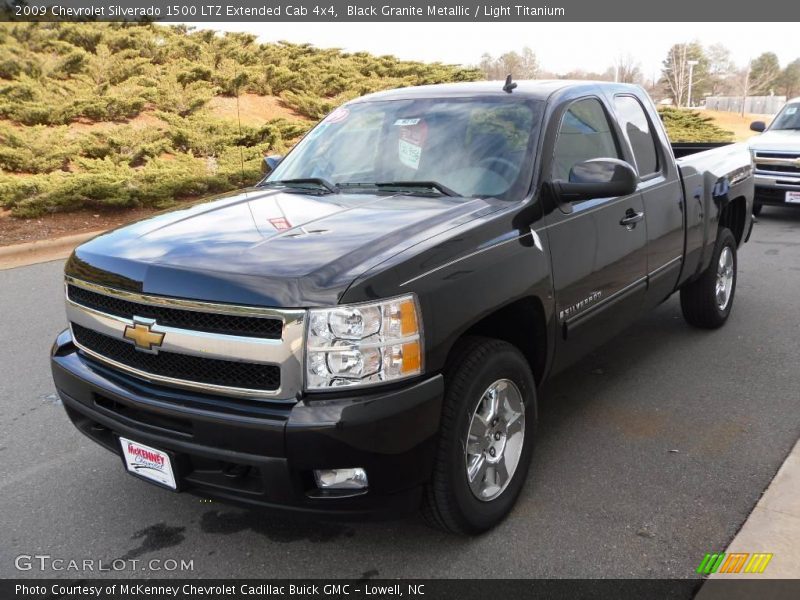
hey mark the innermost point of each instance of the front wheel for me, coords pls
(486, 437)
(707, 301)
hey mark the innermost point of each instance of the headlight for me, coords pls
(363, 344)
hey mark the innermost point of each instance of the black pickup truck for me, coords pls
(364, 331)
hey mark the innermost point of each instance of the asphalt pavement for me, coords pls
(651, 453)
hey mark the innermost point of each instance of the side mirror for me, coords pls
(597, 178)
(758, 126)
(269, 164)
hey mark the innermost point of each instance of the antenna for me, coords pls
(510, 85)
(239, 119)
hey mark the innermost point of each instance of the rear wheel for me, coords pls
(486, 437)
(707, 301)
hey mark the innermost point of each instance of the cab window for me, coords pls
(634, 123)
(585, 133)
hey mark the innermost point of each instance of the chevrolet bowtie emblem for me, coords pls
(141, 333)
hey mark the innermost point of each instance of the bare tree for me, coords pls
(627, 69)
(522, 65)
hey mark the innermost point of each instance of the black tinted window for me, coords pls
(634, 123)
(585, 133)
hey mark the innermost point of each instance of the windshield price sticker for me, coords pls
(409, 154)
(412, 139)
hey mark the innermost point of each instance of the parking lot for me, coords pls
(651, 453)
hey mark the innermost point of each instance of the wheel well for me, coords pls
(521, 323)
(733, 216)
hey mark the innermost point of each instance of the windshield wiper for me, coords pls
(303, 184)
(404, 185)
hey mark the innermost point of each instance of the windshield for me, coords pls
(788, 118)
(470, 147)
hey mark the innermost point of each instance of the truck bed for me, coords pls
(681, 149)
(713, 175)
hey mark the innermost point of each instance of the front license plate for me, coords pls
(793, 197)
(148, 462)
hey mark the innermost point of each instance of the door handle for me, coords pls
(631, 218)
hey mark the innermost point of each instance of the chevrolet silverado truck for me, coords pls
(776, 153)
(364, 331)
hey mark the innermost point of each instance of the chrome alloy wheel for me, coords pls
(724, 278)
(495, 439)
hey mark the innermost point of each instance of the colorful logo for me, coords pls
(734, 562)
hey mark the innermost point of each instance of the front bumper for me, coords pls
(772, 190)
(263, 453)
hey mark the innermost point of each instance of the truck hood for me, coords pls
(780, 140)
(267, 247)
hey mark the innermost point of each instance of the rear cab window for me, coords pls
(640, 135)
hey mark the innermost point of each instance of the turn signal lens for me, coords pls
(412, 361)
(408, 318)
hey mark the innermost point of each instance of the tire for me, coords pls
(757, 206)
(480, 365)
(701, 300)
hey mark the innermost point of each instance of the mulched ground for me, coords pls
(18, 231)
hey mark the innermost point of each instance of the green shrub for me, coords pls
(36, 149)
(691, 126)
(73, 63)
(113, 107)
(309, 105)
(53, 74)
(82, 37)
(127, 145)
(104, 184)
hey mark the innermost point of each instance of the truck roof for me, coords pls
(539, 89)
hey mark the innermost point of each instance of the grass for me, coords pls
(736, 123)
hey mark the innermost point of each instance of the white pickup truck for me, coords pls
(776, 153)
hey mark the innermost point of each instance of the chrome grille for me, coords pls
(174, 317)
(180, 366)
(777, 164)
(202, 346)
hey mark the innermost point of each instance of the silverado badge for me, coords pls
(141, 333)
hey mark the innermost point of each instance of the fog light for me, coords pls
(341, 479)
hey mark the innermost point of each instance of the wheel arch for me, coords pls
(521, 323)
(734, 217)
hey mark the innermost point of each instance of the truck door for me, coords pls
(598, 246)
(662, 194)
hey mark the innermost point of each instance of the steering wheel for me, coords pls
(507, 168)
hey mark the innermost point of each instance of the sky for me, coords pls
(560, 47)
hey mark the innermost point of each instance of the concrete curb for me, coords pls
(773, 527)
(30, 253)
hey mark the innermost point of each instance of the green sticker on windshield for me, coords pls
(413, 135)
(409, 154)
